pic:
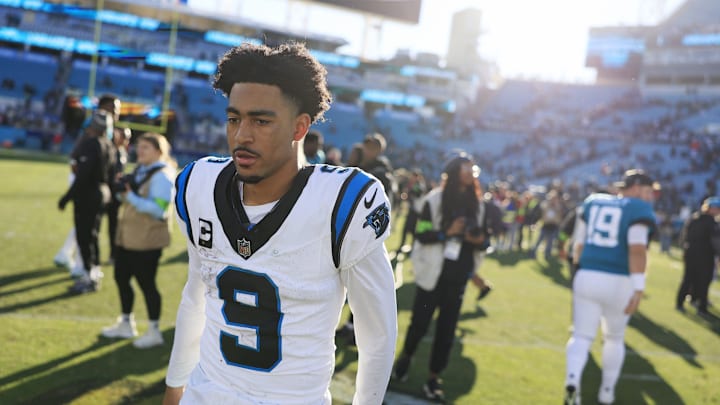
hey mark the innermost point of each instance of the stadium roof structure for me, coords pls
(205, 21)
(693, 13)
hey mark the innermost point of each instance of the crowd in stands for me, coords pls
(525, 134)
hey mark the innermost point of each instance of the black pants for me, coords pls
(112, 214)
(88, 213)
(447, 297)
(696, 279)
(142, 264)
(409, 227)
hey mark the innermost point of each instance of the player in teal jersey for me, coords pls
(611, 239)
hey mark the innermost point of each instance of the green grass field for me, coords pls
(510, 350)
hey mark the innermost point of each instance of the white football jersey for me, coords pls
(273, 292)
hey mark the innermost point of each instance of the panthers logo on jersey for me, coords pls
(378, 220)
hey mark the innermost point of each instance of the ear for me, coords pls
(302, 125)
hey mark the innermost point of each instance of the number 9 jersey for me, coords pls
(271, 293)
(608, 218)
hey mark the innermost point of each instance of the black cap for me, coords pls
(637, 177)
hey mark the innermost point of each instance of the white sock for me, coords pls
(613, 356)
(155, 325)
(577, 351)
(126, 317)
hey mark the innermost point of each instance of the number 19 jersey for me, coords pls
(608, 218)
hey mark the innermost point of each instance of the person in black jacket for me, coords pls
(701, 243)
(121, 139)
(451, 241)
(93, 161)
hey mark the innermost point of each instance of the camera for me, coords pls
(122, 182)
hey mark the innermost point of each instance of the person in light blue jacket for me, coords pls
(143, 231)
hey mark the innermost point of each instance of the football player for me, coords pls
(611, 253)
(274, 248)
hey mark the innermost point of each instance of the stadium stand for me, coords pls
(526, 132)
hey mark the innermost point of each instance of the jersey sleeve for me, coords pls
(189, 326)
(371, 296)
(181, 206)
(360, 219)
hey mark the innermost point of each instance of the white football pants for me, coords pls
(599, 298)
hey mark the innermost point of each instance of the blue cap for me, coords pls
(713, 202)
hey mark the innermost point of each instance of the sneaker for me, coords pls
(433, 389)
(96, 273)
(484, 292)
(572, 396)
(121, 330)
(83, 285)
(402, 365)
(606, 396)
(151, 338)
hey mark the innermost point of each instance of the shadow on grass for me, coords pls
(477, 314)
(507, 259)
(59, 278)
(36, 302)
(458, 364)
(16, 278)
(45, 384)
(29, 274)
(638, 382)
(555, 270)
(181, 257)
(710, 321)
(665, 337)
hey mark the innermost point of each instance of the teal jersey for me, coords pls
(608, 219)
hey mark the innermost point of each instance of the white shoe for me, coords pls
(122, 329)
(151, 338)
(96, 273)
(606, 396)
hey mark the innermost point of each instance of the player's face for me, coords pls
(262, 125)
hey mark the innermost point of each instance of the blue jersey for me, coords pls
(608, 219)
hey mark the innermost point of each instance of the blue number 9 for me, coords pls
(265, 317)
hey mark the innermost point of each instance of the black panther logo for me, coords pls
(378, 219)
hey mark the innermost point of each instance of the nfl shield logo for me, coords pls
(243, 248)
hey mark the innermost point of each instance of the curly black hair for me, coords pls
(289, 66)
